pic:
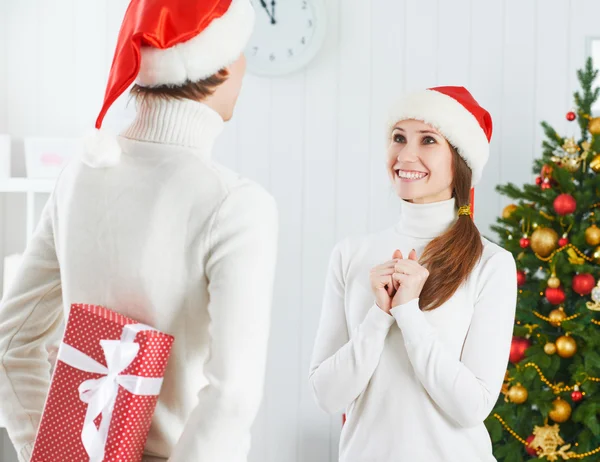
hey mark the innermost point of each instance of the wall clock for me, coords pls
(287, 35)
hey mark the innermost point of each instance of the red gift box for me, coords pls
(104, 389)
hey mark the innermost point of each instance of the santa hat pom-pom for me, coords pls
(100, 149)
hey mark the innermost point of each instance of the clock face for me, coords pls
(287, 35)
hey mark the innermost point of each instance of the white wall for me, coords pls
(315, 138)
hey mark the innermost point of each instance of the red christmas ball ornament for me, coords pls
(517, 349)
(563, 241)
(546, 184)
(576, 396)
(521, 277)
(583, 283)
(565, 204)
(555, 296)
(571, 116)
(538, 180)
(524, 242)
(530, 449)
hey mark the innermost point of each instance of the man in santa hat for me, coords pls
(148, 225)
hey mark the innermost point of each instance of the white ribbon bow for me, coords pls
(101, 394)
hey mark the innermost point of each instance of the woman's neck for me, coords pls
(177, 122)
(426, 221)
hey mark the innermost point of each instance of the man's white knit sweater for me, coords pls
(416, 386)
(171, 239)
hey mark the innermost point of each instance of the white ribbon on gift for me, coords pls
(101, 394)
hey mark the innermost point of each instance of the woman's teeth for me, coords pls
(410, 175)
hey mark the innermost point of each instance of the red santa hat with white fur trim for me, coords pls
(169, 42)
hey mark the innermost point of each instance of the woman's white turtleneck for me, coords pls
(173, 240)
(416, 386)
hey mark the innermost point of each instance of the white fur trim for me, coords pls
(451, 119)
(216, 47)
(101, 149)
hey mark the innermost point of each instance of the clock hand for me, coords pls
(273, 10)
(264, 5)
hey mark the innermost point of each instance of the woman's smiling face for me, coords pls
(420, 162)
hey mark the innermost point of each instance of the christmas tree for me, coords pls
(550, 401)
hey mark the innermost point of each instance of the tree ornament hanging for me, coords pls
(595, 304)
(517, 394)
(564, 204)
(576, 395)
(555, 296)
(564, 240)
(557, 316)
(508, 211)
(553, 282)
(571, 163)
(583, 284)
(566, 346)
(561, 410)
(569, 157)
(528, 447)
(550, 348)
(570, 146)
(595, 163)
(549, 444)
(521, 277)
(594, 126)
(592, 235)
(524, 242)
(518, 348)
(544, 241)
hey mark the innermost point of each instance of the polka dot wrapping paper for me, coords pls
(59, 436)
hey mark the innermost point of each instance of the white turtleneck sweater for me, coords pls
(416, 386)
(171, 239)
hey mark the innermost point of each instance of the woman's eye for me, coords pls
(428, 140)
(399, 138)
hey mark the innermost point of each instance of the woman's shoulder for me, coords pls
(496, 259)
(490, 249)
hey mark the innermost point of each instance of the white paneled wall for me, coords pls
(314, 139)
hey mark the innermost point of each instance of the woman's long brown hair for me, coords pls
(451, 257)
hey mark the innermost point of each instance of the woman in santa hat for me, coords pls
(417, 320)
(148, 225)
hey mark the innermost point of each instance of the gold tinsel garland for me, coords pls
(557, 388)
(547, 319)
(565, 456)
(566, 247)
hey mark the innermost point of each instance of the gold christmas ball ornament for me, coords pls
(561, 411)
(556, 317)
(544, 241)
(594, 126)
(566, 346)
(571, 164)
(592, 235)
(508, 211)
(595, 163)
(553, 282)
(517, 394)
(549, 348)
